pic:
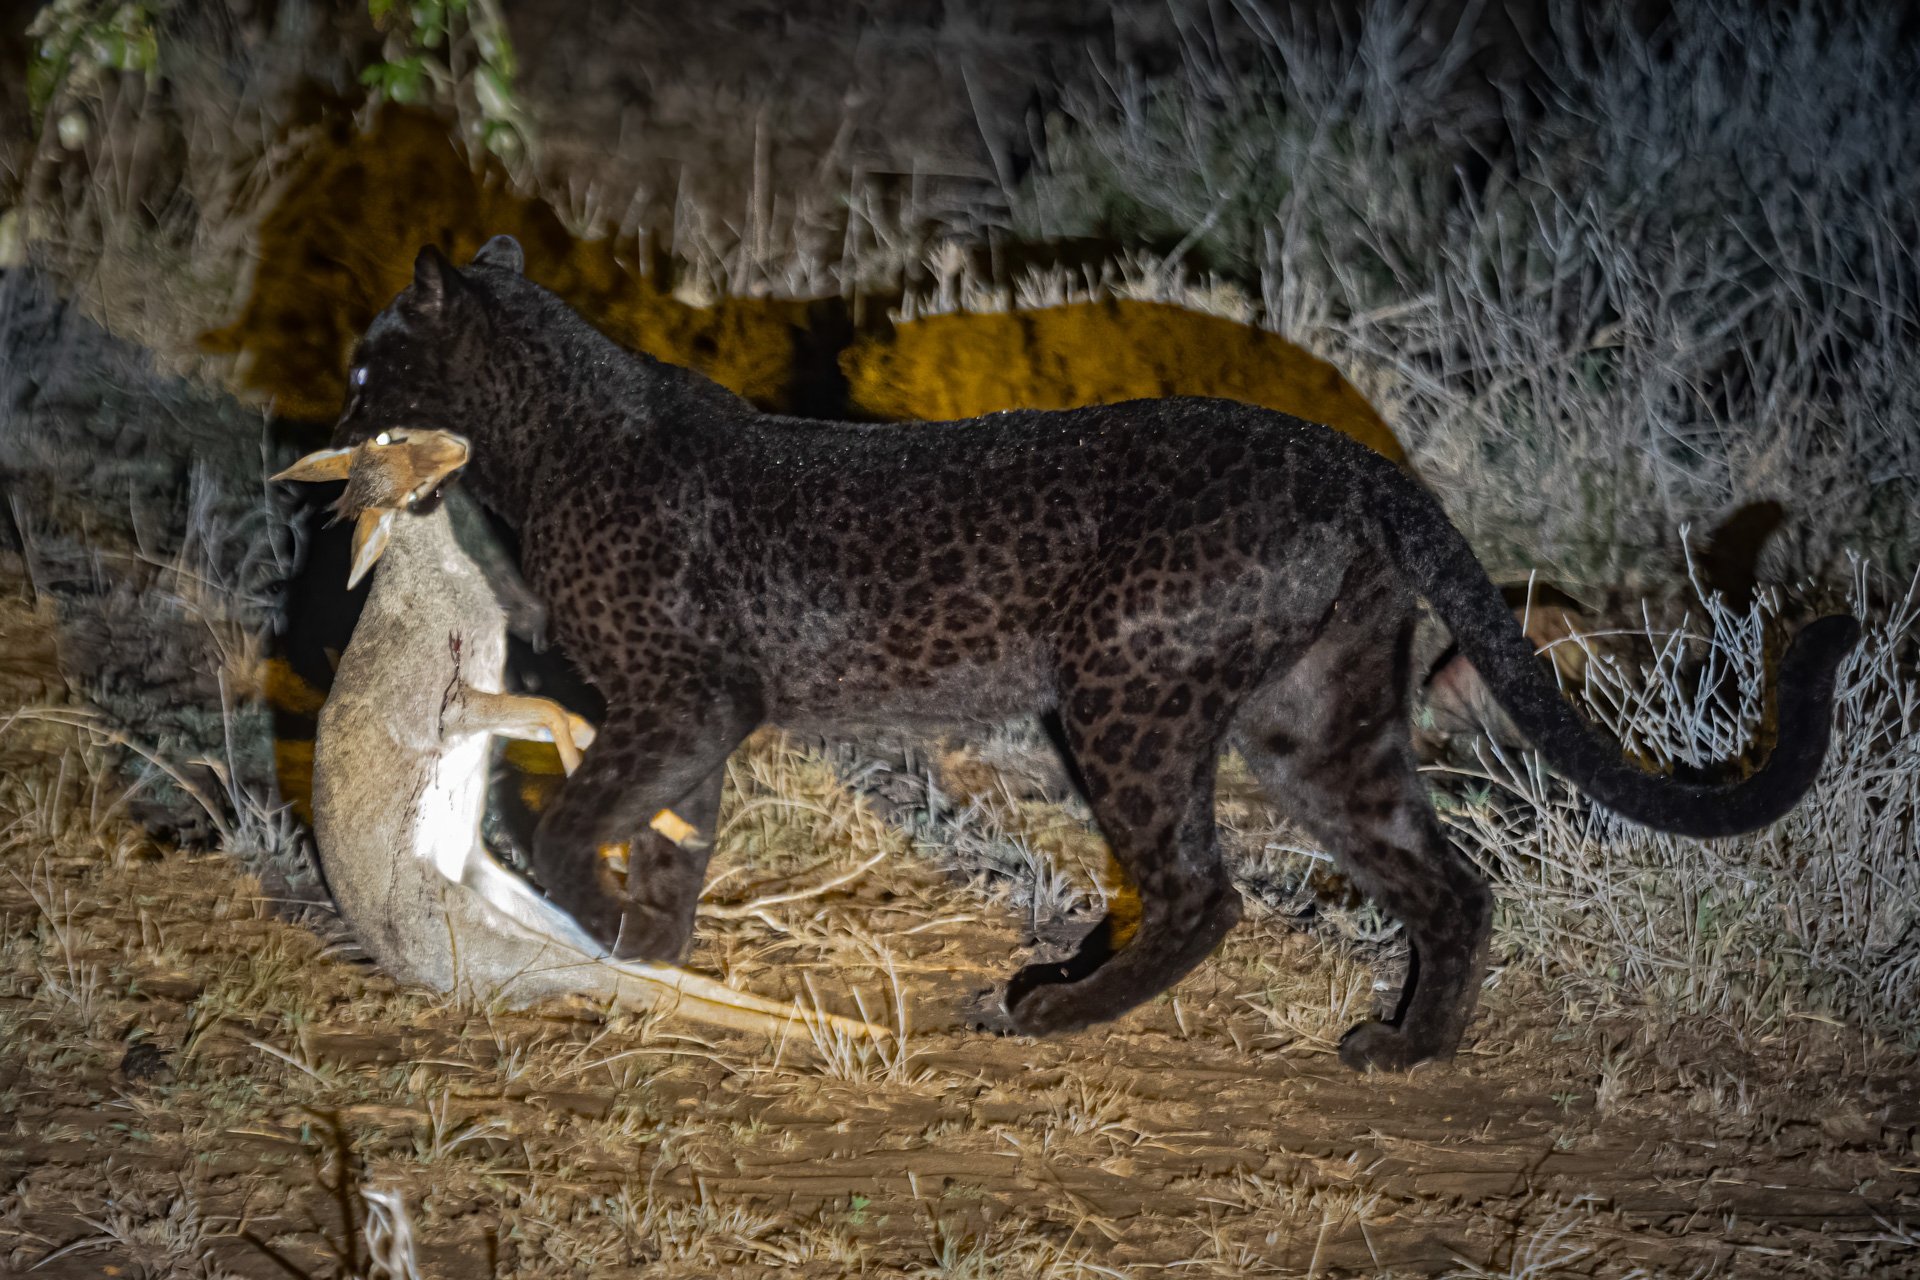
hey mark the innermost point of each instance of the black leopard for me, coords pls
(1161, 579)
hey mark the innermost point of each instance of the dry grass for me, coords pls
(1688, 282)
(1812, 918)
(305, 1103)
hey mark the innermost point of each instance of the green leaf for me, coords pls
(494, 93)
(409, 82)
(502, 138)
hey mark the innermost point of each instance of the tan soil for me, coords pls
(1210, 1133)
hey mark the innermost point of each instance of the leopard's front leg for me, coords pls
(607, 850)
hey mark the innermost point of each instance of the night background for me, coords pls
(1634, 290)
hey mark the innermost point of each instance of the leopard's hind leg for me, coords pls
(1328, 739)
(1145, 746)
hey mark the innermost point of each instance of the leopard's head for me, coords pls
(423, 363)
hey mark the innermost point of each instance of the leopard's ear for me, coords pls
(434, 280)
(501, 251)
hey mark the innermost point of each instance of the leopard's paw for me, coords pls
(594, 895)
(1038, 1007)
(1382, 1047)
(984, 1010)
(598, 913)
(649, 933)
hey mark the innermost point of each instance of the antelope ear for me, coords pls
(501, 251)
(434, 278)
(327, 464)
(431, 457)
(370, 535)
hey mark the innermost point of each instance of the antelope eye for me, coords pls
(360, 376)
(383, 438)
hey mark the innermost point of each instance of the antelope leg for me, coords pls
(520, 715)
(667, 987)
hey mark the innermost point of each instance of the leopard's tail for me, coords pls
(1441, 566)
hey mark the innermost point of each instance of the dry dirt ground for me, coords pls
(192, 1085)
